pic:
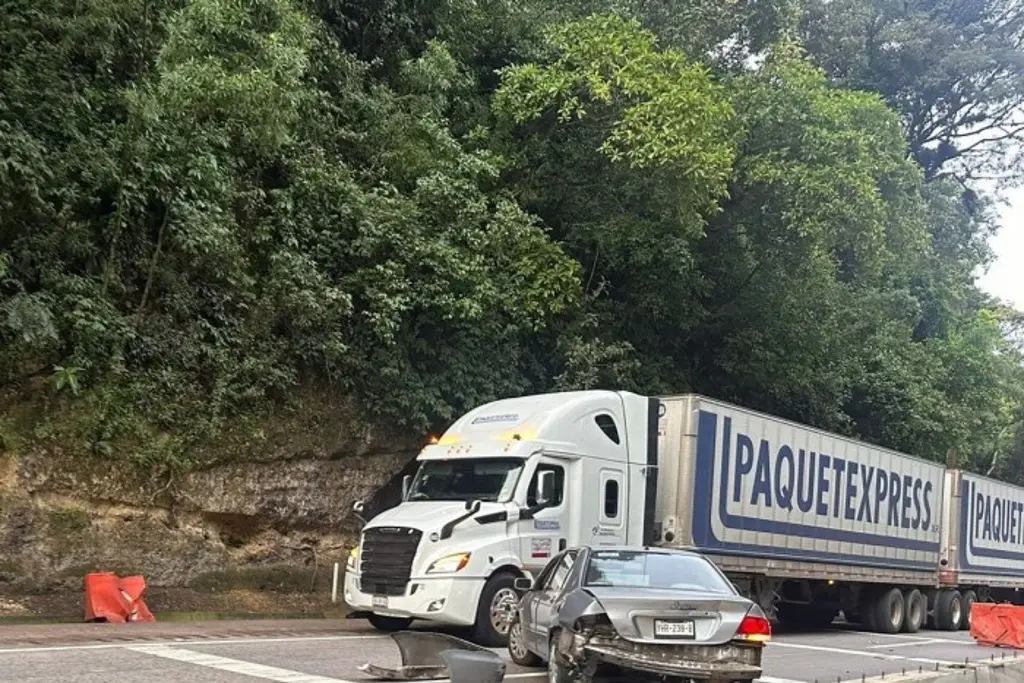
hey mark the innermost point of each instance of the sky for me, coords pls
(1005, 278)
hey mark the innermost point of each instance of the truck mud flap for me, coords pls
(422, 657)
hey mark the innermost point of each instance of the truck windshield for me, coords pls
(462, 479)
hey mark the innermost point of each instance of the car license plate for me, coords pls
(673, 629)
(380, 601)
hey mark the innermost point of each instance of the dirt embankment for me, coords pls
(256, 530)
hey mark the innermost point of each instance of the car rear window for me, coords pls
(622, 568)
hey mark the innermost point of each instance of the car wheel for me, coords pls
(890, 611)
(558, 670)
(518, 652)
(917, 610)
(970, 597)
(497, 603)
(388, 624)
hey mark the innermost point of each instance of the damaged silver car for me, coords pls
(650, 613)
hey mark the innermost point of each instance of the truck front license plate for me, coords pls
(380, 601)
(673, 629)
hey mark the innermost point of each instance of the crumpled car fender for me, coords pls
(578, 604)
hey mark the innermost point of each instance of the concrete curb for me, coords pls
(1008, 670)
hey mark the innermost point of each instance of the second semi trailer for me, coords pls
(807, 523)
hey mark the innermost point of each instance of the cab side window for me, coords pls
(559, 483)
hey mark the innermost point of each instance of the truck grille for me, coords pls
(386, 559)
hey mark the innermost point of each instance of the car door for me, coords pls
(544, 602)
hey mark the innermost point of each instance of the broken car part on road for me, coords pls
(430, 656)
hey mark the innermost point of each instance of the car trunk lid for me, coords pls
(672, 617)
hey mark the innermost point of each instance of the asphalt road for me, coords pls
(323, 658)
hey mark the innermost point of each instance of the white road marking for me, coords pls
(913, 643)
(772, 679)
(865, 653)
(901, 636)
(183, 642)
(238, 666)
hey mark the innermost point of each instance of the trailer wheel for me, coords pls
(917, 610)
(948, 610)
(970, 597)
(889, 611)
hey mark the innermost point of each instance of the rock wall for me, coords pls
(272, 516)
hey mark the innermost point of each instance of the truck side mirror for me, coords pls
(545, 493)
(523, 585)
(406, 485)
(357, 507)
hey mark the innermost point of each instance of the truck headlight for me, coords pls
(449, 564)
(353, 559)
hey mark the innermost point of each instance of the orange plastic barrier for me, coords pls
(998, 625)
(115, 600)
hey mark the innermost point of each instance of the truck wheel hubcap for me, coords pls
(501, 609)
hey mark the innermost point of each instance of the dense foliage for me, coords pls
(206, 204)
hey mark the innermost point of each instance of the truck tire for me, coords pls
(948, 610)
(970, 597)
(890, 611)
(498, 601)
(388, 624)
(917, 611)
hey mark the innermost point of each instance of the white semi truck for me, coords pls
(804, 522)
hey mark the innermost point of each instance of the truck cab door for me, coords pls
(545, 532)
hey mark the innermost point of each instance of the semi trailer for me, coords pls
(806, 523)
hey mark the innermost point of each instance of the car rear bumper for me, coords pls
(729, 662)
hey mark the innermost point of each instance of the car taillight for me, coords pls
(754, 629)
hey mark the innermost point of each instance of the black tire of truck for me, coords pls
(388, 624)
(948, 610)
(889, 612)
(916, 610)
(500, 586)
(970, 597)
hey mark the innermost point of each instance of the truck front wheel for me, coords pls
(494, 611)
(388, 624)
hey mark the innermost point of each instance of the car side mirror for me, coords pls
(545, 493)
(523, 585)
(406, 485)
